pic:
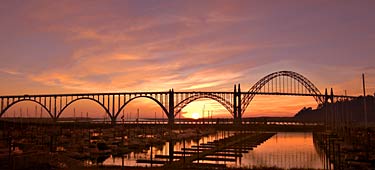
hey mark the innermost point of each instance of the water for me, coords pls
(130, 159)
(284, 150)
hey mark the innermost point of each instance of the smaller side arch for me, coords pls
(22, 100)
(149, 97)
(190, 99)
(84, 98)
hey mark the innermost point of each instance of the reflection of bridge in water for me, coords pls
(241, 149)
(172, 102)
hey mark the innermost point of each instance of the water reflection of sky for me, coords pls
(284, 150)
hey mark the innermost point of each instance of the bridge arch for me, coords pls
(84, 98)
(307, 84)
(22, 100)
(136, 97)
(227, 105)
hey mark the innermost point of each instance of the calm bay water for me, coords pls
(284, 150)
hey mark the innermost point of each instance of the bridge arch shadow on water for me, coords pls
(278, 83)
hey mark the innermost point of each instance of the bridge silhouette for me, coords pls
(172, 102)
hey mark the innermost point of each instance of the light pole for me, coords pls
(364, 98)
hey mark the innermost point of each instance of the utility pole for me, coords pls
(137, 116)
(137, 113)
(345, 110)
(364, 98)
(203, 112)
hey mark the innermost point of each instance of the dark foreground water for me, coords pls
(284, 150)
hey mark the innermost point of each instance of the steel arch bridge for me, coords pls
(171, 102)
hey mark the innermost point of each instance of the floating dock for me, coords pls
(228, 149)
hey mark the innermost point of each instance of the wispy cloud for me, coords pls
(10, 72)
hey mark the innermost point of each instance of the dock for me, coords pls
(228, 149)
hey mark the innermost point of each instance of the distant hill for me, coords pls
(340, 111)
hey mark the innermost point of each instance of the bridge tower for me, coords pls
(237, 110)
(171, 107)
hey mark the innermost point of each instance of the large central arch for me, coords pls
(190, 99)
(307, 84)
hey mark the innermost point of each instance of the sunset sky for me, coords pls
(147, 45)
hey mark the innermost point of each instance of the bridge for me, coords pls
(172, 102)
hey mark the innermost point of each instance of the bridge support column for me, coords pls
(333, 113)
(325, 108)
(239, 106)
(237, 117)
(2, 107)
(171, 108)
(55, 108)
(235, 104)
(54, 119)
(54, 115)
(113, 120)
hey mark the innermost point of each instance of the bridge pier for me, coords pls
(54, 119)
(113, 120)
(237, 110)
(171, 108)
(234, 104)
